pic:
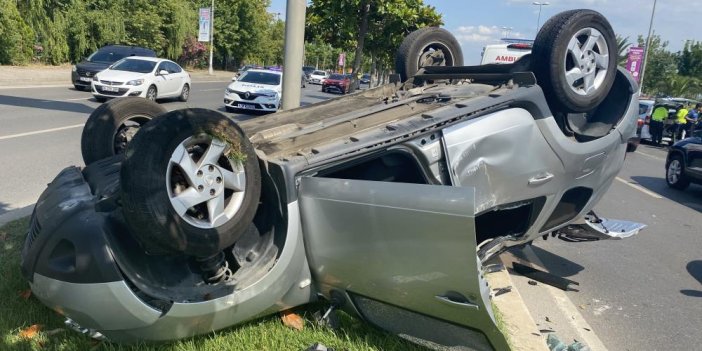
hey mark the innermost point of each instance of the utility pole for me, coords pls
(648, 45)
(211, 36)
(294, 45)
(538, 19)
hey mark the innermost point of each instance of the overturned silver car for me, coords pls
(385, 202)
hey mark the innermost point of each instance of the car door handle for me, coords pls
(541, 179)
(448, 300)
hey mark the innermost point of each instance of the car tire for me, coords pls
(184, 93)
(165, 178)
(100, 99)
(152, 93)
(112, 126)
(631, 147)
(575, 80)
(429, 46)
(229, 109)
(79, 87)
(675, 173)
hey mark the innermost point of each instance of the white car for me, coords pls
(255, 90)
(505, 53)
(147, 77)
(318, 77)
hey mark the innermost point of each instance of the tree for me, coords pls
(623, 45)
(690, 60)
(16, 37)
(378, 25)
(661, 65)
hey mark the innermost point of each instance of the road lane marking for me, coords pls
(640, 188)
(210, 89)
(651, 156)
(12, 136)
(60, 100)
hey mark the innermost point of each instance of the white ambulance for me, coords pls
(504, 53)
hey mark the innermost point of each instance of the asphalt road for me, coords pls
(645, 292)
(40, 131)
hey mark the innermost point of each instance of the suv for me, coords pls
(83, 72)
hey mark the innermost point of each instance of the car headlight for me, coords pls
(229, 91)
(269, 94)
(136, 82)
(95, 78)
(74, 68)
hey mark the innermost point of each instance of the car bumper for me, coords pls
(261, 103)
(80, 80)
(108, 91)
(336, 88)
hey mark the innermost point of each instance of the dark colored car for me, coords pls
(684, 162)
(365, 79)
(83, 72)
(308, 70)
(337, 83)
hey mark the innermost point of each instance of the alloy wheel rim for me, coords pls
(151, 94)
(586, 61)
(186, 91)
(205, 186)
(674, 171)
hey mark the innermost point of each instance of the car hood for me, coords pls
(254, 87)
(93, 66)
(121, 76)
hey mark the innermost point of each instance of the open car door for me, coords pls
(404, 255)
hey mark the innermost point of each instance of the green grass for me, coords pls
(269, 333)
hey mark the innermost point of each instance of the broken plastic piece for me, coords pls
(593, 228)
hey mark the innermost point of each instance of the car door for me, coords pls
(694, 156)
(405, 254)
(161, 80)
(177, 78)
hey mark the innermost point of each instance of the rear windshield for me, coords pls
(107, 56)
(643, 108)
(260, 78)
(319, 73)
(337, 76)
(134, 65)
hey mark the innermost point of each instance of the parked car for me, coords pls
(337, 83)
(684, 162)
(643, 122)
(147, 77)
(83, 72)
(256, 90)
(386, 203)
(308, 71)
(365, 78)
(318, 77)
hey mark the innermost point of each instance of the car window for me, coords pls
(260, 78)
(107, 56)
(643, 108)
(134, 65)
(173, 68)
(337, 76)
(161, 66)
(319, 73)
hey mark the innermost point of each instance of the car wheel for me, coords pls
(79, 87)
(184, 93)
(151, 93)
(574, 58)
(430, 46)
(100, 98)
(631, 147)
(111, 127)
(675, 174)
(190, 183)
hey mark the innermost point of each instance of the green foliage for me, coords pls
(623, 45)
(690, 60)
(660, 67)
(16, 37)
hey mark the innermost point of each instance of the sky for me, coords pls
(476, 23)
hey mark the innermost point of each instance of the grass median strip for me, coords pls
(26, 324)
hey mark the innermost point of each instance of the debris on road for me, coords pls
(292, 320)
(556, 345)
(502, 291)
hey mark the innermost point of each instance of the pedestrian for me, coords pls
(680, 123)
(659, 114)
(692, 118)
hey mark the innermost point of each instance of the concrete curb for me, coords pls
(517, 324)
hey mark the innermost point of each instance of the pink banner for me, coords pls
(633, 64)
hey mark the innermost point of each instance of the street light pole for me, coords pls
(507, 30)
(648, 44)
(538, 19)
(211, 35)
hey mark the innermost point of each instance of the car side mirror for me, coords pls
(233, 79)
(163, 72)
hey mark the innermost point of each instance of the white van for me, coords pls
(505, 53)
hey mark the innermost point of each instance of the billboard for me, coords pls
(205, 18)
(342, 59)
(633, 64)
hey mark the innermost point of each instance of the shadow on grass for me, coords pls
(17, 314)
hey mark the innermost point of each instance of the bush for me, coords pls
(16, 37)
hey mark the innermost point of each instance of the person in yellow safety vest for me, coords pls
(680, 123)
(659, 115)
